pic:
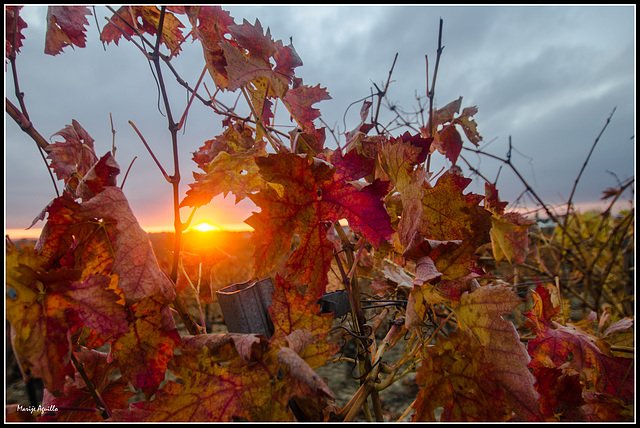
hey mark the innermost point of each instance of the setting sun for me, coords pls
(205, 226)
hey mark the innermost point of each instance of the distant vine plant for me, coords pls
(91, 311)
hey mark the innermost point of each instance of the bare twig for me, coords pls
(113, 140)
(584, 165)
(164, 173)
(382, 93)
(431, 91)
(21, 117)
(127, 173)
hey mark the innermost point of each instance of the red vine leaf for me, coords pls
(447, 139)
(457, 376)
(74, 155)
(98, 306)
(213, 392)
(231, 377)
(103, 173)
(143, 353)
(65, 27)
(560, 394)
(13, 40)
(481, 313)
(299, 102)
(129, 20)
(210, 25)
(55, 241)
(248, 57)
(310, 200)
(37, 311)
(76, 395)
(569, 347)
(291, 313)
(134, 260)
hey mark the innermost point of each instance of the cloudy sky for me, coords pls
(549, 77)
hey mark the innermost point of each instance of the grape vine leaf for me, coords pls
(44, 307)
(555, 345)
(509, 231)
(134, 259)
(212, 392)
(399, 159)
(13, 40)
(291, 313)
(560, 394)
(447, 139)
(143, 352)
(229, 165)
(455, 220)
(481, 313)
(65, 27)
(210, 24)
(457, 376)
(98, 305)
(311, 200)
(299, 101)
(36, 310)
(230, 377)
(129, 20)
(249, 57)
(102, 173)
(451, 215)
(114, 392)
(74, 155)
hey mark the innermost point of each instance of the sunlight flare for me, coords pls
(205, 226)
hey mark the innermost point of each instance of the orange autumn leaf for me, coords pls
(128, 20)
(228, 163)
(451, 215)
(509, 231)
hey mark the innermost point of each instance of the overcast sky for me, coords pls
(549, 77)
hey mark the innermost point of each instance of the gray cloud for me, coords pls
(548, 76)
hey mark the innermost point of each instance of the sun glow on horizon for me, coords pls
(205, 226)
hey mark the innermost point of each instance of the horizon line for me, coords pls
(34, 233)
